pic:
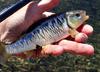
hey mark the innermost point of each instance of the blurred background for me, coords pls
(65, 62)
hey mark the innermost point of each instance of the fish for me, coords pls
(49, 31)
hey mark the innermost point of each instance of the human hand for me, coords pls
(76, 47)
(16, 24)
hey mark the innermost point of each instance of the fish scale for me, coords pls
(51, 27)
(51, 30)
(42, 35)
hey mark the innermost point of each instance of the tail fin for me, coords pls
(14, 49)
(3, 55)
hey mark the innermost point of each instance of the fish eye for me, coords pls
(78, 15)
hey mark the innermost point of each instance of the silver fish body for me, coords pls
(49, 31)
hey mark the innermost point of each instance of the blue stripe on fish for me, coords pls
(47, 32)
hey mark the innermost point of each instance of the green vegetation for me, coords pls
(65, 62)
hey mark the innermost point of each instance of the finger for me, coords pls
(81, 37)
(46, 5)
(77, 48)
(87, 29)
(33, 53)
(55, 50)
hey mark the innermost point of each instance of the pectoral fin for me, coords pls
(73, 32)
(45, 54)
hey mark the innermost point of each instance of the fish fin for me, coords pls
(73, 32)
(19, 49)
(44, 53)
(28, 53)
(3, 55)
(4, 58)
(46, 46)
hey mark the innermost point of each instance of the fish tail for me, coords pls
(3, 55)
(19, 49)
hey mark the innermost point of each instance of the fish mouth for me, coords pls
(86, 17)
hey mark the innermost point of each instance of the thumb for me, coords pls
(46, 5)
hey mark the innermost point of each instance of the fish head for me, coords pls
(76, 18)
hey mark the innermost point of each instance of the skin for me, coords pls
(12, 27)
